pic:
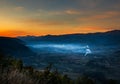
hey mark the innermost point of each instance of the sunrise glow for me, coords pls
(42, 17)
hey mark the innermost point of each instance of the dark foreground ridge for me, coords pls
(12, 71)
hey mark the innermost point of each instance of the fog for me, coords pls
(59, 48)
(71, 48)
(71, 58)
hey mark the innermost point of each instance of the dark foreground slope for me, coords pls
(14, 47)
(12, 71)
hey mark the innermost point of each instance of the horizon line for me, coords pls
(60, 34)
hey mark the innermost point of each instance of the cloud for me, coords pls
(37, 21)
(59, 12)
(72, 12)
(32, 20)
(104, 15)
(113, 13)
(89, 3)
(19, 8)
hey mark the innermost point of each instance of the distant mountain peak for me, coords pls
(115, 31)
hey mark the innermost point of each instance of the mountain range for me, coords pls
(99, 38)
(17, 46)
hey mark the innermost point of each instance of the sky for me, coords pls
(43, 17)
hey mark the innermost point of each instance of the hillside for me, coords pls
(12, 71)
(14, 47)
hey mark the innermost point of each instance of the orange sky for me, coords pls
(38, 17)
(14, 33)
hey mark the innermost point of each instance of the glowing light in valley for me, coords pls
(88, 51)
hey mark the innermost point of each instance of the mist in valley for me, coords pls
(71, 59)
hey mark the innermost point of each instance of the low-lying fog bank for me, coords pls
(72, 48)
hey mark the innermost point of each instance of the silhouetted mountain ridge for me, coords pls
(99, 38)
